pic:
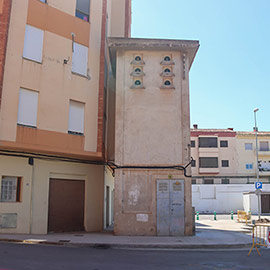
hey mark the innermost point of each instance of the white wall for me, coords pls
(222, 198)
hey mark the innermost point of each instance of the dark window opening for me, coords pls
(193, 181)
(192, 143)
(167, 58)
(167, 70)
(137, 82)
(83, 9)
(208, 181)
(208, 162)
(206, 142)
(193, 163)
(225, 163)
(138, 58)
(225, 181)
(167, 82)
(138, 70)
(223, 143)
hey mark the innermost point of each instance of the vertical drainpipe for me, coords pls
(31, 163)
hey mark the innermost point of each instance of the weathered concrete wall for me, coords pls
(135, 201)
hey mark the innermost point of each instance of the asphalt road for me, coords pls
(23, 256)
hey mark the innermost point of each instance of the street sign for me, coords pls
(258, 185)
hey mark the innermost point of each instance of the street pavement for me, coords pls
(18, 256)
(220, 233)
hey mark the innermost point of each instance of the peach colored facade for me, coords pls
(34, 154)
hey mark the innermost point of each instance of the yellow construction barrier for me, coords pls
(260, 236)
(243, 216)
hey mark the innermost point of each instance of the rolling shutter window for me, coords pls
(76, 117)
(79, 59)
(28, 105)
(33, 43)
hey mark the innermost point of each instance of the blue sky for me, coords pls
(231, 72)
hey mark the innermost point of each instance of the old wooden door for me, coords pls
(66, 205)
(170, 207)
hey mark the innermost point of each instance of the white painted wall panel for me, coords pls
(33, 43)
(227, 198)
(28, 105)
(76, 116)
(79, 59)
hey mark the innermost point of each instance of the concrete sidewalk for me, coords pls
(209, 235)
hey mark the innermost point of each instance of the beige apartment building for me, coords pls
(214, 156)
(54, 80)
(224, 170)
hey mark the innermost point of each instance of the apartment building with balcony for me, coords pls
(54, 84)
(224, 169)
(214, 156)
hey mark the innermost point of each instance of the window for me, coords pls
(138, 82)
(44, 1)
(167, 70)
(33, 43)
(167, 82)
(249, 166)
(193, 181)
(248, 146)
(138, 70)
(208, 181)
(167, 58)
(264, 146)
(225, 163)
(225, 181)
(82, 9)
(10, 189)
(138, 58)
(192, 143)
(76, 117)
(208, 162)
(207, 142)
(193, 163)
(28, 105)
(223, 143)
(79, 59)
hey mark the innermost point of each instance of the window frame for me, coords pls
(204, 166)
(223, 143)
(82, 12)
(28, 39)
(18, 190)
(203, 145)
(225, 163)
(192, 143)
(249, 149)
(193, 163)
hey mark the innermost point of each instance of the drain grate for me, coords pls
(64, 241)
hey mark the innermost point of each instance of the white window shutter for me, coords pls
(33, 43)
(76, 117)
(79, 59)
(28, 105)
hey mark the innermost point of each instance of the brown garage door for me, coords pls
(265, 200)
(66, 205)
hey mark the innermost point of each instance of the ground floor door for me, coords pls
(107, 206)
(66, 205)
(265, 200)
(170, 207)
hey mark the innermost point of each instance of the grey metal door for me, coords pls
(170, 207)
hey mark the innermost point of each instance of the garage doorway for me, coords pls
(265, 198)
(66, 205)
